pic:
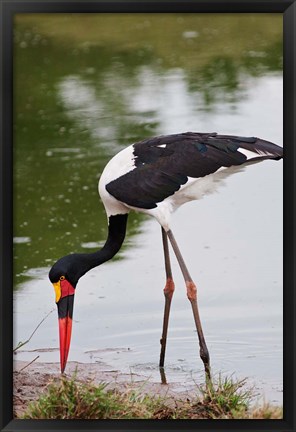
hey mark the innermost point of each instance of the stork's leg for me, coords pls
(192, 297)
(168, 293)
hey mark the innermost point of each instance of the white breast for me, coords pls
(122, 163)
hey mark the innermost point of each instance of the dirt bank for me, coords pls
(30, 380)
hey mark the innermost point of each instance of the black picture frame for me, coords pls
(7, 10)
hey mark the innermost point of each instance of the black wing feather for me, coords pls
(160, 171)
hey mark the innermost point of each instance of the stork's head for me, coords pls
(64, 276)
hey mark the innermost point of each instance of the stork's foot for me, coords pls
(204, 355)
(162, 376)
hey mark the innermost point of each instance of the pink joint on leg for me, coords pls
(169, 288)
(191, 290)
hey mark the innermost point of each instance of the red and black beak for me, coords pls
(65, 312)
(65, 304)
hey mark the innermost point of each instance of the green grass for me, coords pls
(226, 398)
(70, 399)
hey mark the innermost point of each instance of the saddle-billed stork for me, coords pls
(155, 176)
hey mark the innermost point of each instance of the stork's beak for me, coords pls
(64, 292)
(65, 313)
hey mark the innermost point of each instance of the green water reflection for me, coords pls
(76, 86)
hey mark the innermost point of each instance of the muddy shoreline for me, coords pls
(31, 380)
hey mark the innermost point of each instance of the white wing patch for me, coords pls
(251, 155)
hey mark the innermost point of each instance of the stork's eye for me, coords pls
(62, 278)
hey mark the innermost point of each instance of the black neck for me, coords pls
(116, 235)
